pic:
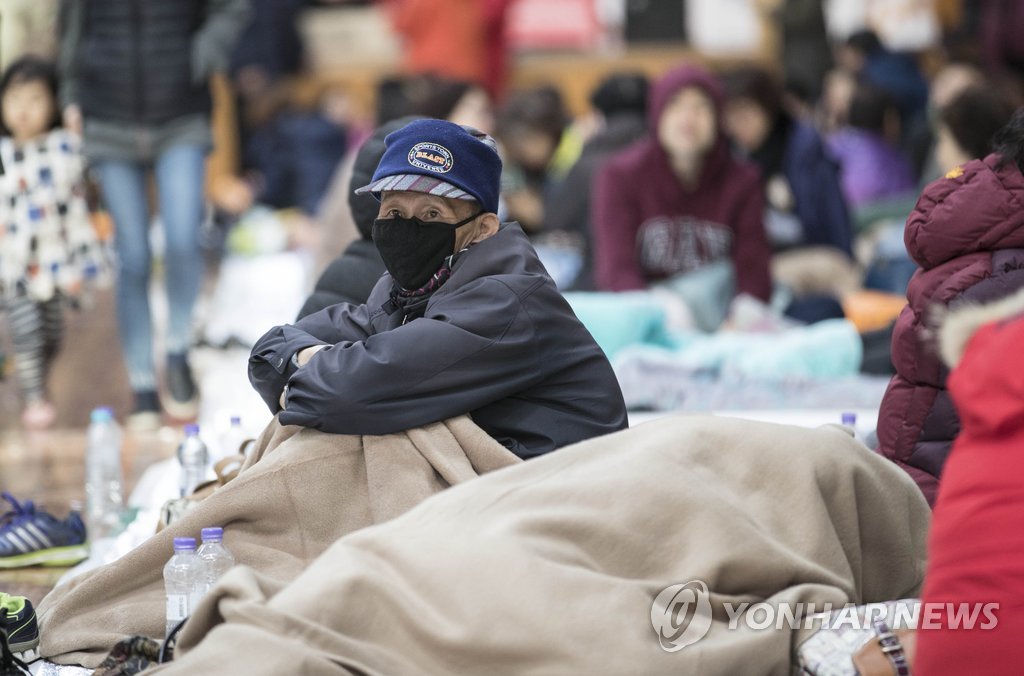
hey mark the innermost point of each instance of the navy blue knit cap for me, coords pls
(440, 158)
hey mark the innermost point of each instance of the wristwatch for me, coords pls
(891, 647)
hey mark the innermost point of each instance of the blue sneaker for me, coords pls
(31, 538)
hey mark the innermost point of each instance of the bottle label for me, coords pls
(177, 607)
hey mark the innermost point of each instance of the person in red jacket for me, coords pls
(967, 234)
(457, 39)
(677, 200)
(976, 545)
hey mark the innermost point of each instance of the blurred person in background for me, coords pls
(967, 125)
(48, 247)
(437, 96)
(878, 184)
(897, 74)
(135, 82)
(619, 105)
(458, 101)
(529, 129)
(947, 83)
(872, 167)
(806, 217)
(833, 109)
(457, 39)
(268, 52)
(293, 148)
(677, 201)
(270, 48)
(805, 205)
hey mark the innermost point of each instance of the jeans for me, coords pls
(179, 173)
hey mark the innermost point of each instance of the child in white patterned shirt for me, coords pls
(48, 247)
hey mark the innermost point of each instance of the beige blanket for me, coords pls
(552, 566)
(299, 492)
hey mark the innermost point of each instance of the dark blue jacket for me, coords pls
(813, 177)
(497, 341)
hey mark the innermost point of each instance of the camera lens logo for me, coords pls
(681, 615)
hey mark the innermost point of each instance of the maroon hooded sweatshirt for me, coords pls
(967, 234)
(648, 226)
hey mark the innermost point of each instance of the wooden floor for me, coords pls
(49, 467)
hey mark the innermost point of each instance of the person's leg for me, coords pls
(124, 191)
(52, 328)
(180, 179)
(26, 319)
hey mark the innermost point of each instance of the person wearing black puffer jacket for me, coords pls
(351, 276)
(134, 83)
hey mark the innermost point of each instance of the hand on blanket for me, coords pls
(301, 359)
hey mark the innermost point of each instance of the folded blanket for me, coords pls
(552, 566)
(299, 491)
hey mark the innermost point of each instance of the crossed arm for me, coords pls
(346, 379)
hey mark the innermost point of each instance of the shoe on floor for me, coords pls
(183, 397)
(36, 538)
(18, 627)
(145, 417)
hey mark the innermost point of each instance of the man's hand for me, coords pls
(302, 358)
(307, 353)
(73, 119)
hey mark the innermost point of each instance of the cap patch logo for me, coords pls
(432, 157)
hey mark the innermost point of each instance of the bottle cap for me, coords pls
(215, 534)
(191, 430)
(849, 418)
(184, 543)
(236, 420)
(101, 414)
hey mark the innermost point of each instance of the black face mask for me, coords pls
(413, 250)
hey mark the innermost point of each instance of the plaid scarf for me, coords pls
(414, 303)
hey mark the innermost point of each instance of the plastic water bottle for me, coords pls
(217, 559)
(849, 419)
(193, 458)
(183, 578)
(232, 439)
(103, 477)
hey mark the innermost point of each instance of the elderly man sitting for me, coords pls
(465, 321)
